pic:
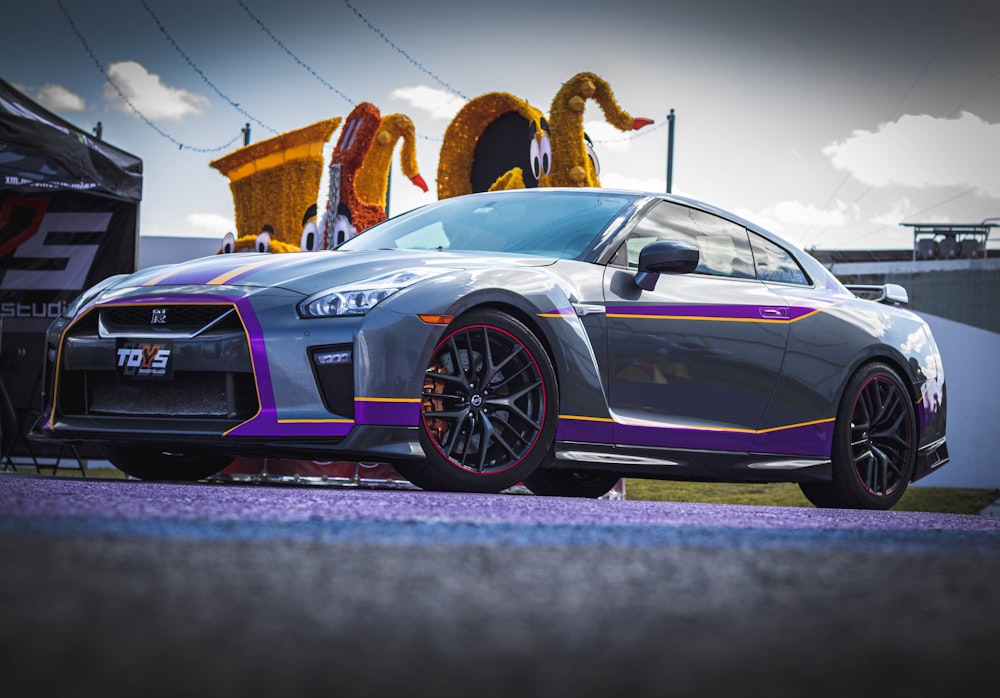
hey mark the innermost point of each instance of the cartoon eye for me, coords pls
(540, 152)
(545, 150)
(592, 154)
(228, 243)
(310, 237)
(342, 230)
(263, 242)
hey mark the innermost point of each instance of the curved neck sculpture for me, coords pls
(571, 164)
(372, 181)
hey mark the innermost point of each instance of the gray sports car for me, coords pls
(557, 338)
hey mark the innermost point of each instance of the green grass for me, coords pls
(946, 500)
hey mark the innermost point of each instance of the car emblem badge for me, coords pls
(158, 317)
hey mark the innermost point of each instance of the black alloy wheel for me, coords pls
(875, 443)
(489, 406)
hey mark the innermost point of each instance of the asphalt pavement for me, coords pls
(129, 588)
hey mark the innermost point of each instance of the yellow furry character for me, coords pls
(488, 144)
(372, 181)
(572, 163)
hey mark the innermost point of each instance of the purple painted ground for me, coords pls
(42, 496)
(125, 588)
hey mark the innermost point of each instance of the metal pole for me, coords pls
(670, 151)
(246, 134)
(388, 190)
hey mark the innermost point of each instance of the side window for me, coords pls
(723, 245)
(775, 264)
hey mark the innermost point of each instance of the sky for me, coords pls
(829, 123)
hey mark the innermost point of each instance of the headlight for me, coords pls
(359, 297)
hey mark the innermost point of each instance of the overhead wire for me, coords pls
(271, 35)
(918, 213)
(299, 61)
(128, 102)
(975, 93)
(902, 100)
(201, 74)
(414, 62)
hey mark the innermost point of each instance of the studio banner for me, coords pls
(52, 247)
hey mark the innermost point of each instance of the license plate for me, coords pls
(142, 360)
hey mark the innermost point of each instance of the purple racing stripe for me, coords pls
(404, 413)
(585, 429)
(746, 313)
(802, 440)
(684, 437)
(799, 440)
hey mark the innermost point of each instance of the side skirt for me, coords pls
(711, 466)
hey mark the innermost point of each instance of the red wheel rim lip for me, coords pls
(903, 397)
(544, 397)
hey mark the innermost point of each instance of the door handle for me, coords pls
(774, 312)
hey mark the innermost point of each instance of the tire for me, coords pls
(874, 443)
(146, 464)
(571, 483)
(489, 407)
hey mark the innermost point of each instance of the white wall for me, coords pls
(971, 359)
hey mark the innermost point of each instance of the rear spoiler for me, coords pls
(890, 294)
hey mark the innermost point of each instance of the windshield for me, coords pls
(546, 223)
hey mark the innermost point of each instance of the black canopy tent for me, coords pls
(69, 217)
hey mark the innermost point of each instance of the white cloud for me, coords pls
(900, 209)
(155, 100)
(210, 222)
(613, 180)
(439, 104)
(795, 213)
(58, 98)
(794, 219)
(923, 151)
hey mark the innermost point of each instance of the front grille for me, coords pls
(210, 374)
(210, 395)
(189, 319)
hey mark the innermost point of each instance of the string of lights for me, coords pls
(201, 73)
(260, 23)
(414, 62)
(100, 67)
(309, 68)
(278, 42)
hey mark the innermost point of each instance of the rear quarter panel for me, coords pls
(826, 348)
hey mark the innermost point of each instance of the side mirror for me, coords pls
(665, 257)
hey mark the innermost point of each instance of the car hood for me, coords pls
(308, 272)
